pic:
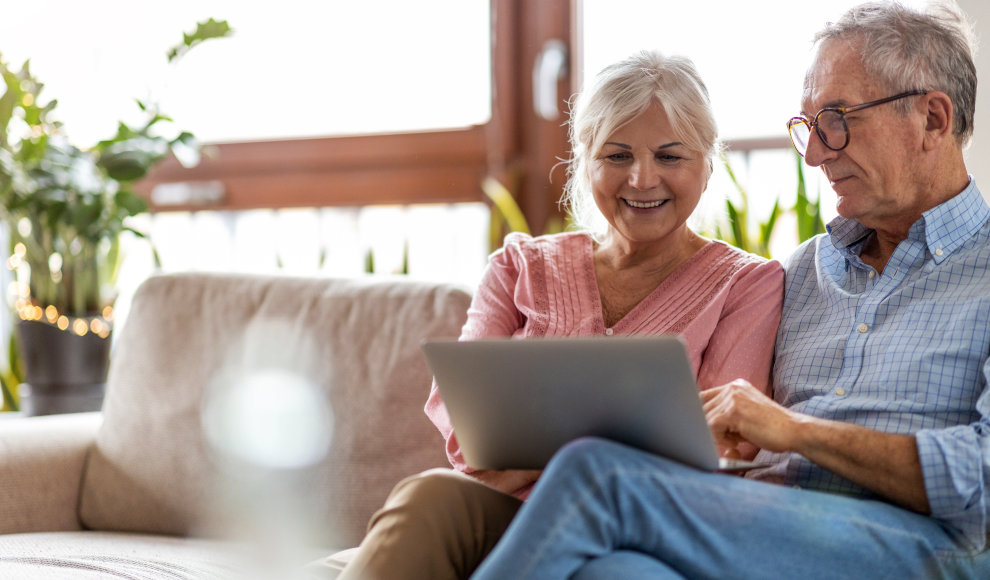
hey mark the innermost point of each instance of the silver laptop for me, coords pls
(514, 403)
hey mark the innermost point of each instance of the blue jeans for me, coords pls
(601, 507)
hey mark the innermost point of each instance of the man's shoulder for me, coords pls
(806, 256)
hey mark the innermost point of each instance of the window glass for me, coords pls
(751, 54)
(294, 68)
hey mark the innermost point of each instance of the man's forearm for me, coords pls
(884, 463)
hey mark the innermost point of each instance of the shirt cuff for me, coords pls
(952, 466)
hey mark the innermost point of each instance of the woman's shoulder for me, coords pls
(546, 246)
(521, 239)
(736, 261)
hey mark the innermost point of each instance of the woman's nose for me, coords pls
(644, 175)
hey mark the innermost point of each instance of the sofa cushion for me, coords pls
(102, 555)
(41, 466)
(152, 470)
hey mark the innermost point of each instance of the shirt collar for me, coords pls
(945, 227)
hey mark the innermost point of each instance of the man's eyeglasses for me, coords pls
(830, 124)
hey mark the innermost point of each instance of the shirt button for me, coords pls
(939, 252)
(873, 273)
(608, 332)
(840, 391)
(862, 328)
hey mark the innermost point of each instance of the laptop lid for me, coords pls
(514, 403)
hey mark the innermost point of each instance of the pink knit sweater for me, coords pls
(724, 302)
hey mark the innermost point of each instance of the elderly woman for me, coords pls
(644, 141)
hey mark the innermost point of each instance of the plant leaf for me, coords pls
(133, 204)
(137, 233)
(506, 204)
(85, 215)
(204, 31)
(766, 229)
(735, 220)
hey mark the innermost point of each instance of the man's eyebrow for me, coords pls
(836, 104)
(623, 145)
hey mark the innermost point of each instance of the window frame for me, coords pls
(514, 146)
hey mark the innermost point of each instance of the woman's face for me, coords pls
(644, 181)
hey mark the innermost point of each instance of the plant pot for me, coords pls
(66, 373)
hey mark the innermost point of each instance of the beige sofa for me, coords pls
(132, 492)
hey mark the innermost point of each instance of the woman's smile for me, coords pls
(644, 204)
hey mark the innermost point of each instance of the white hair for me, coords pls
(622, 92)
(905, 49)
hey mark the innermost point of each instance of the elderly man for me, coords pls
(879, 431)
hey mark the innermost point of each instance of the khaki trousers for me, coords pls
(438, 525)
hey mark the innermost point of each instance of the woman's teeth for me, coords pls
(646, 205)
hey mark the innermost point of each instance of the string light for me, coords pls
(79, 327)
(100, 326)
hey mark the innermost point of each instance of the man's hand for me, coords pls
(885, 463)
(508, 481)
(738, 412)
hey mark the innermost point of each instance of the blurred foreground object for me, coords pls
(268, 423)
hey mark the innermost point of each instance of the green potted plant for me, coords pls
(65, 209)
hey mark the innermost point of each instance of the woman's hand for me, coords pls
(507, 481)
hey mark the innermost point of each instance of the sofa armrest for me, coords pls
(41, 467)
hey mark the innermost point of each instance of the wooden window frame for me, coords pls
(515, 146)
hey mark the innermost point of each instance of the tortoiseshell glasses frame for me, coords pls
(830, 124)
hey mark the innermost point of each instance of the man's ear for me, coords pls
(938, 121)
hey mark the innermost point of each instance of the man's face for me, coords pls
(874, 176)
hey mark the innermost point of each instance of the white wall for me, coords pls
(978, 154)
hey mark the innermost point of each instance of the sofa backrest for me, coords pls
(152, 469)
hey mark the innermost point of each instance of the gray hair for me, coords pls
(908, 50)
(619, 94)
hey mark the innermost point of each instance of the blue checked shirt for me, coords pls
(902, 352)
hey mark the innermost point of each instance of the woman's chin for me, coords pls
(644, 233)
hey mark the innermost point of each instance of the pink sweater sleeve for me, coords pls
(743, 341)
(492, 314)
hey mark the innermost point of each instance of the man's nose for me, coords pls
(645, 175)
(817, 152)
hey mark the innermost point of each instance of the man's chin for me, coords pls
(849, 203)
(846, 208)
